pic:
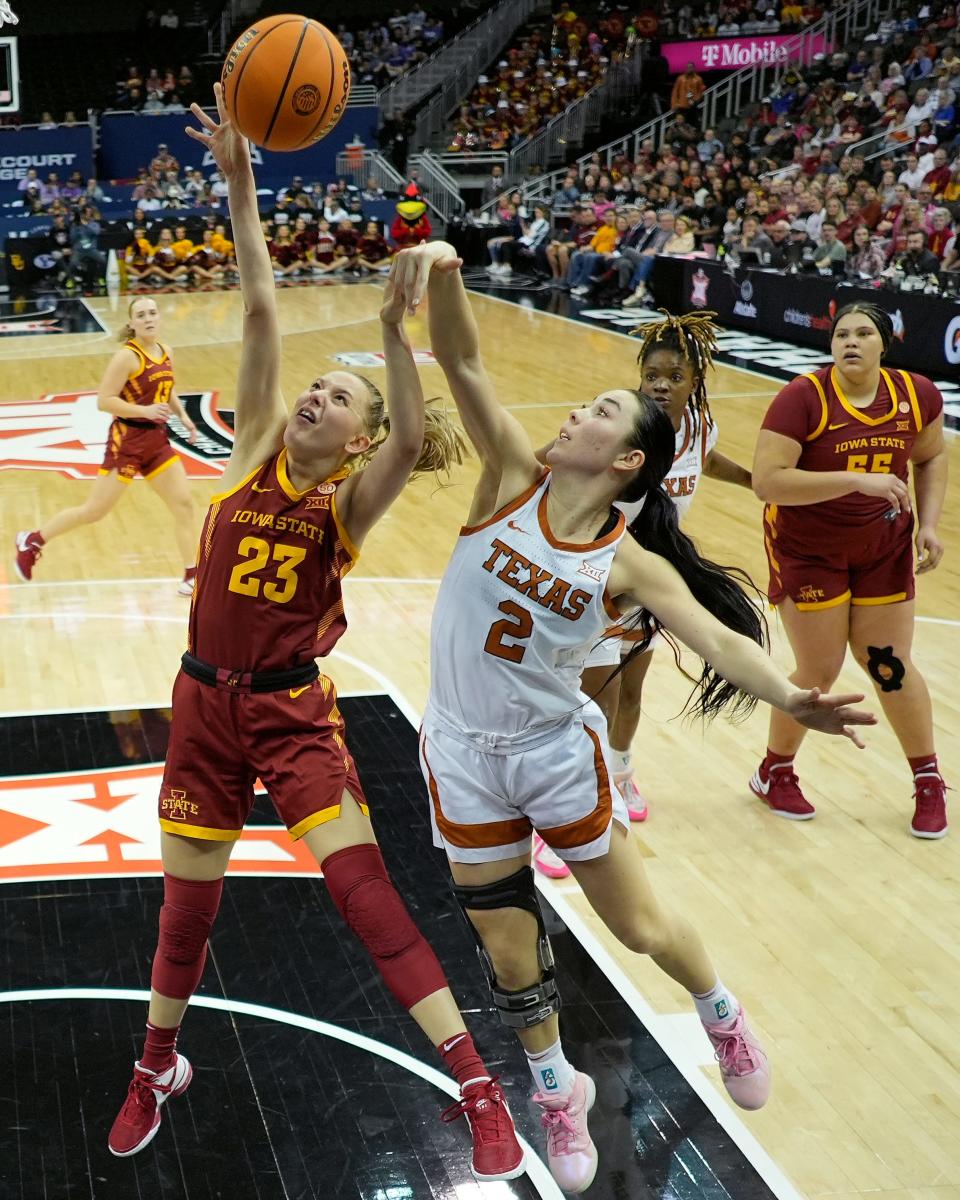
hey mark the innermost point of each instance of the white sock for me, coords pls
(719, 1006)
(621, 759)
(551, 1072)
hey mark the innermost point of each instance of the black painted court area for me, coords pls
(282, 1113)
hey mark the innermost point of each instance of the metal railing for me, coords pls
(878, 144)
(220, 30)
(359, 164)
(569, 129)
(464, 55)
(845, 26)
(442, 190)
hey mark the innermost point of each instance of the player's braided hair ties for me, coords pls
(694, 337)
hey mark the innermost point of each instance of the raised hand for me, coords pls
(410, 270)
(829, 714)
(228, 147)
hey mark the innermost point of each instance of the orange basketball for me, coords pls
(286, 82)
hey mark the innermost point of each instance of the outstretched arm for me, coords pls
(499, 439)
(367, 495)
(259, 408)
(640, 579)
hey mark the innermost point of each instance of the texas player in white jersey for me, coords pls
(674, 358)
(509, 743)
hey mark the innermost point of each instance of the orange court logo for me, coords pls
(65, 432)
(104, 822)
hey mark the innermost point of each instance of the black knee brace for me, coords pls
(526, 1006)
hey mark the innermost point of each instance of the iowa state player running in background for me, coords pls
(832, 463)
(296, 504)
(138, 389)
(511, 744)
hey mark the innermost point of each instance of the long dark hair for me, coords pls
(721, 590)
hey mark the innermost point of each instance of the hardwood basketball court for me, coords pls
(839, 934)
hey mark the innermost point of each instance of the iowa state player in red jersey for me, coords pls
(293, 511)
(832, 463)
(138, 388)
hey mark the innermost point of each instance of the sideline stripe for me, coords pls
(537, 1171)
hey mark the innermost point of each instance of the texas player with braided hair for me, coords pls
(298, 497)
(832, 464)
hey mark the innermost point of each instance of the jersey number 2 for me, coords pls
(519, 627)
(255, 554)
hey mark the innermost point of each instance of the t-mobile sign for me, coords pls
(730, 54)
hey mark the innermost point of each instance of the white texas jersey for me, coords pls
(514, 610)
(695, 440)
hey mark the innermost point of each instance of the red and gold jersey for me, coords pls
(164, 256)
(269, 571)
(138, 252)
(152, 382)
(836, 436)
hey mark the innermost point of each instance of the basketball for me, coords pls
(286, 82)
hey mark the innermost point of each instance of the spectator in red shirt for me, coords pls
(939, 177)
(851, 221)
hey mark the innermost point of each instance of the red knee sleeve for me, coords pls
(367, 900)
(189, 910)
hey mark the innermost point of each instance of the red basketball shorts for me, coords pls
(221, 740)
(137, 450)
(872, 564)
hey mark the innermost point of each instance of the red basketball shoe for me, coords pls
(496, 1152)
(780, 788)
(138, 1121)
(29, 549)
(930, 812)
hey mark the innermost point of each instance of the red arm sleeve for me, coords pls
(796, 410)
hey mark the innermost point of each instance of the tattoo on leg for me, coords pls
(885, 668)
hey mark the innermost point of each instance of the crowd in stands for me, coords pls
(547, 70)
(384, 50)
(739, 18)
(309, 230)
(179, 228)
(153, 90)
(788, 186)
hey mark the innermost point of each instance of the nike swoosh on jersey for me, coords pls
(295, 692)
(842, 425)
(514, 525)
(258, 488)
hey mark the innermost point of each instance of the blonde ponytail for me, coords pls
(443, 446)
